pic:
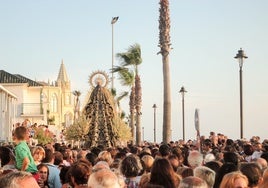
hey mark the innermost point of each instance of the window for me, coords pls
(54, 103)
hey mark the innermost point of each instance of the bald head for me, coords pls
(103, 178)
(195, 159)
(18, 179)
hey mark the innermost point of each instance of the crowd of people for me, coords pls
(213, 162)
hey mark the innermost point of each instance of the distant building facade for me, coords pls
(7, 119)
(43, 103)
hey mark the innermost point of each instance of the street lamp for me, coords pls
(154, 107)
(114, 20)
(241, 56)
(183, 91)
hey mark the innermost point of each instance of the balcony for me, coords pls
(31, 109)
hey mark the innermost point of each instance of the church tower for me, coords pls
(63, 80)
(64, 83)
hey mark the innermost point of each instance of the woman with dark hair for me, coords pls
(43, 175)
(163, 174)
(224, 169)
(231, 157)
(92, 158)
(214, 165)
(131, 167)
(7, 159)
(65, 177)
(253, 172)
(80, 172)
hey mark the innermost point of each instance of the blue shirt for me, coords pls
(54, 176)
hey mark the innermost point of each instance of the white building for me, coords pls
(8, 109)
(43, 103)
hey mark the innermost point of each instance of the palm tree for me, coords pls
(126, 78)
(132, 58)
(164, 44)
(77, 94)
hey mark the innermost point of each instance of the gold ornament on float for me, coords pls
(98, 78)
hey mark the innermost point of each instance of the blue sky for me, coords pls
(36, 35)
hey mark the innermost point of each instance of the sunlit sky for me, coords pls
(36, 35)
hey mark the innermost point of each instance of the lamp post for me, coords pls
(183, 91)
(241, 56)
(154, 107)
(114, 20)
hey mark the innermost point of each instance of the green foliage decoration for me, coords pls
(43, 135)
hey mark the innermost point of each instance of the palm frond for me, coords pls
(124, 59)
(122, 95)
(118, 69)
(126, 78)
(132, 57)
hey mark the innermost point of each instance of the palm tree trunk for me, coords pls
(164, 43)
(138, 109)
(132, 112)
(167, 101)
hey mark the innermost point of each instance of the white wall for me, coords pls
(7, 117)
